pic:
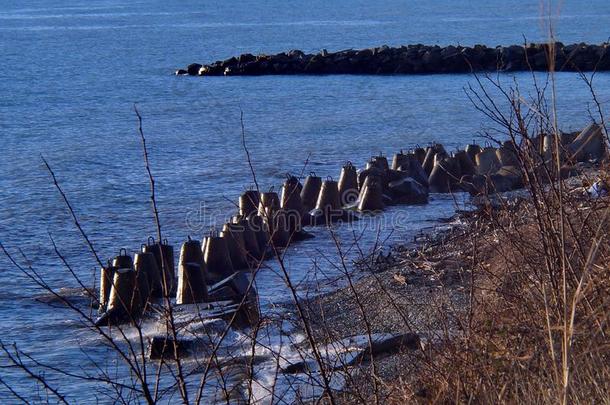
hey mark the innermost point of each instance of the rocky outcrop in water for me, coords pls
(412, 59)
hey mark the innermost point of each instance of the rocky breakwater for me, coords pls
(413, 59)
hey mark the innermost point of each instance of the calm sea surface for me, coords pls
(70, 73)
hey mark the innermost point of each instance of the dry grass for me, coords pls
(537, 327)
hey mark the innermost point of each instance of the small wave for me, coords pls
(91, 15)
(51, 9)
(523, 18)
(363, 23)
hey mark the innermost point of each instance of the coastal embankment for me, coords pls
(413, 59)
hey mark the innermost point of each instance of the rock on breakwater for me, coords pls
(413, 59)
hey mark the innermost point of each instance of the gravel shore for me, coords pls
(403, 292)
(423, 288)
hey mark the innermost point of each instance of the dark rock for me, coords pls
(506, 179)
(299, 367)
(408, 191)
(414, 59)
(412, 168)
(246, 57)
(193, 69)
(374, 172)
(165, 347)
(392, 345)
(235, 288)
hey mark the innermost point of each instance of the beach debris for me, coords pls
(400, 278)
(597, 190)
(386, 345)
(299, 367)
(166, 347)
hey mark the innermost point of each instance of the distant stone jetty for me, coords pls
(413, 59)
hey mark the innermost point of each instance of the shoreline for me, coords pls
(409, 295)
(389, 302)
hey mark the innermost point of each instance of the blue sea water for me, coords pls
(71, 71)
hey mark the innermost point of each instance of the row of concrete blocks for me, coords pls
(366, 191)
(128, 285)
(268, 221)
(265, 221)
(487, 170)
